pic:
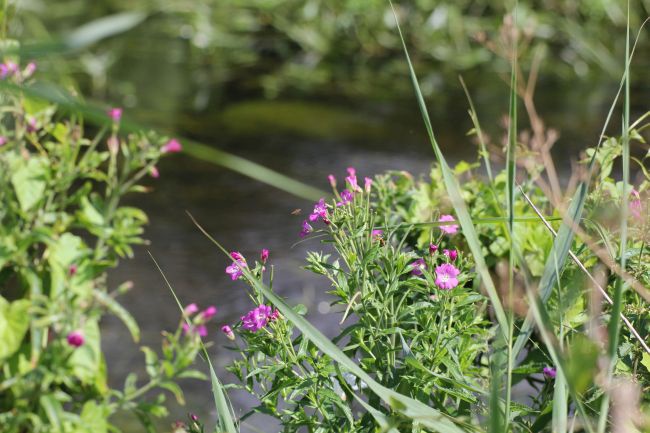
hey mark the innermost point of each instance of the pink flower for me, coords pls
(236, 269)
(452, 254)
(32, 124)
(191, 309)
(275, 315)
(153, 172)
(449, 229)
(446, 276)
(320, 211)
(367, 184)
(433, 248)
(264, 255)
(351, 171)
(3, 71)
(202, 331)
(332, 180)
(29, 70)
(256, 319)
(172, 146)
(549, 372)
(306, 229)
(418, 267)
(208, 313)
(3, 140)
(115, 114)
(635, 205)
(12, 67)
(346, 197)
(227, 330)
(76, 338)
(352, 181)
(72, 270)
(377, 234)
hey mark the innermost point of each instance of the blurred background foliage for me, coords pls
(189, 56)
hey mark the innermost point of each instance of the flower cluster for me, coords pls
(236, 270)
(10, 69)
(198, 320)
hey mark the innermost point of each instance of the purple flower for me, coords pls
(332, 180)
(208, 313)
(236, 269)
(306, 229)
(257, 318)
(76, 338)
(452, 254)
(549, 372)
(449, 229)
(446, 276)
(352, 181)
(227, 330)
(115, 114)
(264, 255)
(377, 234)
(275, 315)
(346, 197)
(320, 211)
(191, 309)
(172, 146)
(433, 248)
(3, 71)
(367, 184)
(418, 267)
(12, 67)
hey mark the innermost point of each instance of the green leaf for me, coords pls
(14, 323)
(29, 180)
(94, 418)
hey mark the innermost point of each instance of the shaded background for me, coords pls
(307, 88)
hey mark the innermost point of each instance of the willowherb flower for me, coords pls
(549, 372)
(449, 229)
(352, 181)
(418, 266)
(235, 270)
(153, 172)
(446, 276)
(191, 309)
(433, 248)
(200, 330)
(3, 140)
(76, 338)
(377, 234)
(72, 270)
(264, 255)
(305, 229)
(367, 184)
(172, 146)
(208, 313)
(32, 124)
(275, 315)
(320, 211)
(452, 254)
(227, 331)
(257, 318)
(346, 198)
(29, 70)
(351, 171)
(115, 114)
(332, 180)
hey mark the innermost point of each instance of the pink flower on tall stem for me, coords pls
(153, 172)
(452, 254)
(418, 267)
(3, 140)
(227, 330)
(549, 372)
(351, 171)
(367, 184)
(352, 181)
(332, 180)
(235, 270)
(320, 211)
(305, 229)
(450, 229)
(115, 114)
(172, 146)
(191, 309)
(29, 70)
(257, 318)
(76, 338)
(264, 255)
(209, 313)
(446, 276)
(346, 198)
(433, 248)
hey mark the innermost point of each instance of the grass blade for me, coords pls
(225, 419)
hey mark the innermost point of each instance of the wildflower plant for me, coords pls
(62, 227)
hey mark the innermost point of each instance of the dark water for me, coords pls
(306, 141)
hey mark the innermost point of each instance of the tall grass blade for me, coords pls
(451, 184)
(407, 406)
(479, 132)
(225, 419)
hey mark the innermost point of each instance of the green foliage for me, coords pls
(61, 228)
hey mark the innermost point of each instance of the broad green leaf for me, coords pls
(29, 180)
(93, 418)
(14, 323)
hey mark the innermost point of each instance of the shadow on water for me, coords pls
(307, 141)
